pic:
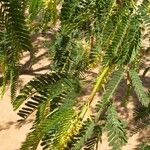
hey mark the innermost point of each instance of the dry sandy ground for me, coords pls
(11, 136)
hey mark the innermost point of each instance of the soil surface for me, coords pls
(11, 135)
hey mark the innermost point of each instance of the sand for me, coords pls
(11, 136)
